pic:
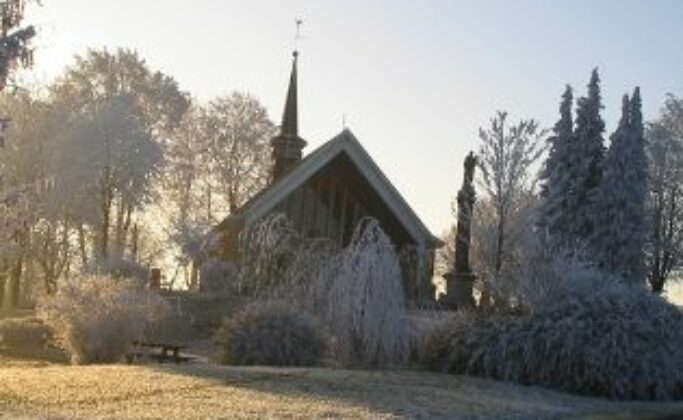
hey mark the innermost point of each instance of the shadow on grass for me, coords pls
(417, 394)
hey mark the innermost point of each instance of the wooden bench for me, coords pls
(167, 351)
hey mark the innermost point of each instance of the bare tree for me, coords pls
(239, 131)
(14, 50)
(126, 111)
(187, 178)
(506, 157)
(46, 224)
(665, 204)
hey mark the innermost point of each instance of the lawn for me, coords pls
(37, 389)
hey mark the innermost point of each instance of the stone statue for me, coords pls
(460, 278)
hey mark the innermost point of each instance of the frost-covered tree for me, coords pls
(119, 113)
(45, 224)
(585, 159)
(217, 158)
(445, 256)
(239, 132)
(101, 75)
(108, 159)
(14, 40)
(186, 178)
(556, 177)
(665, 199)
(618, 241)
(506, 156)
(15, 51)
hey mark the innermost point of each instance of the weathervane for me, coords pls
(297, 37)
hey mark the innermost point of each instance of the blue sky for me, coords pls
(413, 79)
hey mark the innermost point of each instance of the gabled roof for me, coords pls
(345, 142)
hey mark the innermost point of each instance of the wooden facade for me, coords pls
(329, 205)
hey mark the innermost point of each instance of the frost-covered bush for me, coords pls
(591, 336)
(270, 333)
(175, 326)
(364, 304)
(278, 262)
(421, 325)
(96, 318)
(22, 332)
(27, 337)
(356, 291)
(544, 273)
(217, 276)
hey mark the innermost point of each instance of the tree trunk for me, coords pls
(119, 235)
(134, 243)
(81, 246)
(107, 198)
(13, 286)
(209, 215)
(657, 284)
(500, 243)
(104, 240)
(3, 281)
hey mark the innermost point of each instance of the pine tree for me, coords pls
(585, 157)
(619, 237)
(555, 176)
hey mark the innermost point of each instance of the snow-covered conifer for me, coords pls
(556, 176)
(619, 237)
(585, 159)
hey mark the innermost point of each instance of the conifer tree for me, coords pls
(619, 238)
(585, 157)
(555, 176)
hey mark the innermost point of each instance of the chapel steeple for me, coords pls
(287, 146)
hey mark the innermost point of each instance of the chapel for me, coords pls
(325, 193)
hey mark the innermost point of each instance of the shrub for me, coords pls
(16, 332)
(96, 318)
(269, 333)
(205, 311)
(420, 327)
(364, 306)
(27, 337)
(356, 291)
(217, 276)
(175, 326)
(592, 337)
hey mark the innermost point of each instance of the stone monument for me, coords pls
(460, 279)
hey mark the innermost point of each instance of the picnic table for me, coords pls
(167, 351)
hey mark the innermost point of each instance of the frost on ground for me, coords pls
(200, 390)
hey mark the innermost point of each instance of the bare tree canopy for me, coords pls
(506, 157)
(665, 202)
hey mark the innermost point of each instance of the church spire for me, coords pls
(287, 146)
(290, 116)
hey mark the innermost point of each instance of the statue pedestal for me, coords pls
(459, 290)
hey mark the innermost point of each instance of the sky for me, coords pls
(413, 79)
